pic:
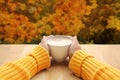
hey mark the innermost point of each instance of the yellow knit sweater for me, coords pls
(25, 68)
(81, 64)
(87, 67)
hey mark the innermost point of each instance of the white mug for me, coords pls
(59, 46)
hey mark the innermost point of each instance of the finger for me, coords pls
(43, 38)
(75, 37)
(49, 36)
(69, 36)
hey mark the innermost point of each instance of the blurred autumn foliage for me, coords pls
(92, 21)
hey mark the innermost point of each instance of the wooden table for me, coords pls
(105, 53)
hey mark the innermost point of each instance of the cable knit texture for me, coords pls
(25, 68)
(87, 67)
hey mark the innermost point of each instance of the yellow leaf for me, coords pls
(31, 1)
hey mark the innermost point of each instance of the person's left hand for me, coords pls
(75, 46)
(43, 42)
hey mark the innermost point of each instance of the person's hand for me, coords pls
(43, 42)
(74, 46)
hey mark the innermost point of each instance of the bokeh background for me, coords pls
(92, 21)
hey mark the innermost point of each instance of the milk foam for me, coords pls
(59, 41)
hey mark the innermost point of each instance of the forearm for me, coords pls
(25, 68)
(87, 67)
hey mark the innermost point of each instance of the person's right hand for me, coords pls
(74, 46)
(43, 42)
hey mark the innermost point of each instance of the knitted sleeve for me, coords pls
(26, 67)
(88, 68)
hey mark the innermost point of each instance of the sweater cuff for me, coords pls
(76, 62)
(41, 57)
